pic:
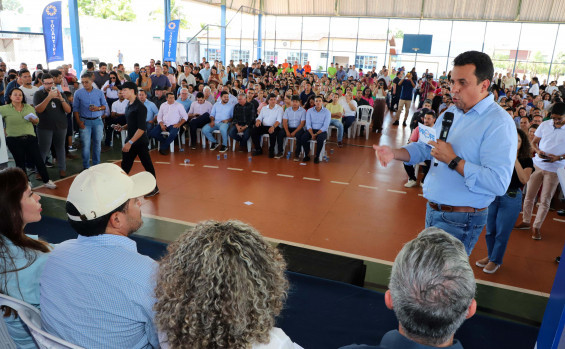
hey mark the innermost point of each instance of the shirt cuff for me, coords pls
(471, 172)
(413, 150)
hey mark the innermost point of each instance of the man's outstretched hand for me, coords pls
(384, 154)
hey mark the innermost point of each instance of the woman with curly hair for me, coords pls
(221, 285)
(23, 256)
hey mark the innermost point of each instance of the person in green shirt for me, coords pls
(332, 71)
(21, 140)
(336, 110)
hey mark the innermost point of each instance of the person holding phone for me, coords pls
(549, 145)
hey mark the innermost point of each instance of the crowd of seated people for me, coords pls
(220, 285)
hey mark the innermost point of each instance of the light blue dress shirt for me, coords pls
(294, 117)
(23, 285)
(318, 120)
(98, 292)
(205, 73)
(152, 110)
(186, 104)
(83, 100)
(221, 111)
(486, 138)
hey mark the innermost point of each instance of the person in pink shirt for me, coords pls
(429, 120)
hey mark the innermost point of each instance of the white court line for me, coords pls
(210, 166)
(183, 164)
(396, 191)
(559, 220)
(260, 172)
(336, 182)
(311, 179)
(162, 162)
(235, 169)
(172, 220)
(284, 175)
(137, 161)
(368, 187)
(422, 195)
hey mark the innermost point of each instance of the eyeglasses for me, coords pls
(112, 78)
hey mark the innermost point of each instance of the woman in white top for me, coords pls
(110, 88)
(534, 89)
(221, 285)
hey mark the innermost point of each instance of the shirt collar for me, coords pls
(484, 104)
(109, 240)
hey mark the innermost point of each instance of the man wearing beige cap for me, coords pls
(97, 290)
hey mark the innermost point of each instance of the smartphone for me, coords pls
(546, 160)
(91, 106)
(53, 88)
(543, 156)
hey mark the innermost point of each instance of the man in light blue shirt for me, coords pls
(152, 109)
(220, 118)
(294, 119)
(97, 291)
(317, 123)
(205, 73)
(183, 99)
(475, 164)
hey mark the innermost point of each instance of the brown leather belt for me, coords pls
(447, 208)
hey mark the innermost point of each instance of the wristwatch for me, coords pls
(130, 142)
(453, 164)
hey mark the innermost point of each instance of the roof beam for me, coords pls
(518, 10)
(422, 9)
(336, 7)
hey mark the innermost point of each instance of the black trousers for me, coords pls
(257, 132)
(298, 135)
(306, 137)
(26, 148)
(138, 149)
(196, 123)
(410, 170)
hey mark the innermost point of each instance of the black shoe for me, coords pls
(213, 146)
(153, 193)
(279, 155)
(271, 154)
(48, 164)
(316, 160)
(561, 212)
(306, 159)
(163, 151)
(223, 149)
(396, 123)
(558, 259)
(257, 152)
(404, 124)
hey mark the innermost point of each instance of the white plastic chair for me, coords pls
(364, 118)
(330, 129)
(32, 318)
(179, 139)
(292, 141)
(218, 136)
(313, 144)
(248, 144)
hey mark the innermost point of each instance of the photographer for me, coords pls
(428, 85)
(52, 108)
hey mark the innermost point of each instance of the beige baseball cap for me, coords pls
(102, 188)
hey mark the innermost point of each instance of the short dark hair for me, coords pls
(54, 73)
(224, 93)
(200, 95)
(558, 108)
(95, 226)
(170, 94)
(46, 76)
(271, 95)
(22, 72)
(87, 75)
(484, 69)
(136, 65)
(90, 65)
(102, 64)
(319, 96)
(295, 98)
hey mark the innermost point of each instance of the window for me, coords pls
(295, 56)
(365, 62)
(236, 55)
(324, 55)
(213, 54)
(271, 56)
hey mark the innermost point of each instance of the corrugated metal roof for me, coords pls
(489, 10)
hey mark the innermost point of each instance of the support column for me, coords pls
(259, 35)
(223, 33)
(75, 36)
(167, 12)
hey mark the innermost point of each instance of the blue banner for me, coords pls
(53, 32)
(171, 36)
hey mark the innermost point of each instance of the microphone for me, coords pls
(445, 126)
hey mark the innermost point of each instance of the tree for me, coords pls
(558, 67)
(119, 10)
(11, 5)
(177, 12)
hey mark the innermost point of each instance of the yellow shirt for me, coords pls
(16, 125)
(335, 109)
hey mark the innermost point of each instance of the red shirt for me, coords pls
(307, 68)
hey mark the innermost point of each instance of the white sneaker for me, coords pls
(410, 183)
(50, 185)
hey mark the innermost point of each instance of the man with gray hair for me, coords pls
(431, 290)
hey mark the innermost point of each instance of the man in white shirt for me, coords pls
(552, 88)
(27, 88)
(524, 83)
(349, 110)
(353, 73)
(549, 145)
(534, 89)
(117, 117)
(268, 122)
(171, 116)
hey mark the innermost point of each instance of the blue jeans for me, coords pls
(337, 123)
(465, 226)
(502, 215)
(164, 143)
(92, 133)
(222, 126)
